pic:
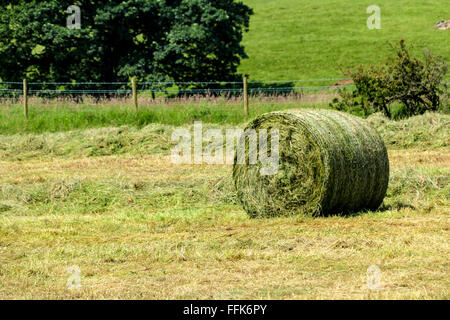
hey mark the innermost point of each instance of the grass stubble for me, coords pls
(110, 201)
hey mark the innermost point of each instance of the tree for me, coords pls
(155, 40)
(416, 84)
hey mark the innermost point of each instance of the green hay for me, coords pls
(330, 163)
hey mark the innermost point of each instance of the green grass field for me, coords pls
(93, 185)
(110, 201)
(56, 116)
(292, 39)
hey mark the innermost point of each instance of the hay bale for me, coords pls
(329, 163)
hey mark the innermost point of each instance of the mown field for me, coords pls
(292, 39)
(110, 201)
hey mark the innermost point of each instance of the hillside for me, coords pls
(291, 39)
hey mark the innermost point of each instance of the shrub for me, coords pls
(416, 85)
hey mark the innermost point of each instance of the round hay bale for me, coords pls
(329, 163)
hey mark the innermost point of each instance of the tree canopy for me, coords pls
(155, 40)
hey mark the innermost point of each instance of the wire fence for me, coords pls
(168, 89)
(77, 91)
(171, 89)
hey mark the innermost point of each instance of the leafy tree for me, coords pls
(416, 84)
(155, 40)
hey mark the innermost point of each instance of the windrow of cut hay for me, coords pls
(329, 163)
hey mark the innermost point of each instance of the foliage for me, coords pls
(177, 40)
(417, 84)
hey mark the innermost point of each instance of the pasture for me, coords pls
(310, 39)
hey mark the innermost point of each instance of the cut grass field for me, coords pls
(291, 39)
(111, 202)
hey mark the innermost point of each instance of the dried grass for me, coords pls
(330, 163)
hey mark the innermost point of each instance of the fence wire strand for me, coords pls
(172, 88)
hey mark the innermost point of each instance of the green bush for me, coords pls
(401, 87)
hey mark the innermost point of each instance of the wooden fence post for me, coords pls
(135, 97)
(245, 96)
(25, 98)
